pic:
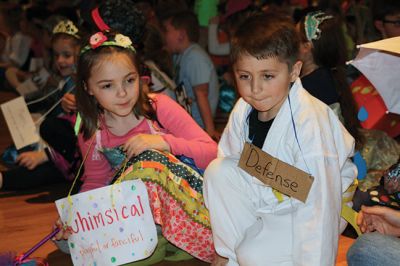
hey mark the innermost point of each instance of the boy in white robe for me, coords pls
(252, 223)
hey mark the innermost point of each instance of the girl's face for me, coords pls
(65, 54)
(264, 83)
(114, 82)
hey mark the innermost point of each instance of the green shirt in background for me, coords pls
(205, 9)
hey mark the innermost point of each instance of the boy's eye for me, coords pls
(244, 76)
(268, 77)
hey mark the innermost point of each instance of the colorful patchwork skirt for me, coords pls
(176, 200)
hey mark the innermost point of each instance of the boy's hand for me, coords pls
(142, 142)
(31, 159)
(378, 218)
(64, 233)
(68, 103)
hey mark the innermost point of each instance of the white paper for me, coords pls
(41, 77)
(35, 64)
(27, 87)
(112, 225)
(19, 122)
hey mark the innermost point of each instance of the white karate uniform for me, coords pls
(250, 226)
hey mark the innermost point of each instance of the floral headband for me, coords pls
(99, 39)
(312, 22)
(67, 27)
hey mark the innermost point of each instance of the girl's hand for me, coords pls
(31, 159)
(64, 233)
(378, 218)
(68, 103)
(142, 142)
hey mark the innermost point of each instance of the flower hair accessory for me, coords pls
(312, 22)
(100, 39)
(67, 27)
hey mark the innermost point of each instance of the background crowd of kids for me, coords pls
(180, 65)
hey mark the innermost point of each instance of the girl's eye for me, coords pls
(106, 86)
(268, 77)
(130, 80)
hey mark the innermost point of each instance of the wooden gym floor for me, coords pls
(26, 217)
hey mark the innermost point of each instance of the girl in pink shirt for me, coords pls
(127, 133)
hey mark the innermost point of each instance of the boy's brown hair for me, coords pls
(264, 36)
(187, 21)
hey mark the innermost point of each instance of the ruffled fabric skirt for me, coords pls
(176, 200)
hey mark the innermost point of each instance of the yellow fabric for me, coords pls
(347, 213)
(278, 195)
(350, 216)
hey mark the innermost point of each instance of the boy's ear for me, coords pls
(296, 69)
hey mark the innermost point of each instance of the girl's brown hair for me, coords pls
(87, 104)
(64, 36)
(329, 51)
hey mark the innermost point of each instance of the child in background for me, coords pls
(193, 68)
(235, 12)
(55, 162)
(120, 120)
(157, 59)
(252, 223)
(57, 128)
(386, 14)
(17, 45)
(323, 73)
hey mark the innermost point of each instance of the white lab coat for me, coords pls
(250, 226)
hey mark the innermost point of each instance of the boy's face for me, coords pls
(390, 26)
(173, 37)
(264, 83)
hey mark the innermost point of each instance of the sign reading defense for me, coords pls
(275, 173)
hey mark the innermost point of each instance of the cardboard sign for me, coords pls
(112, 225)
(279, 175)
(20, 123)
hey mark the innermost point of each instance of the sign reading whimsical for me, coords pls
(112, 225)
(281, 176)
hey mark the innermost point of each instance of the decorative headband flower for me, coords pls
(312, 22)
(67, 27)
(100, 39)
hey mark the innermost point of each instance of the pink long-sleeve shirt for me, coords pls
(178, 129)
